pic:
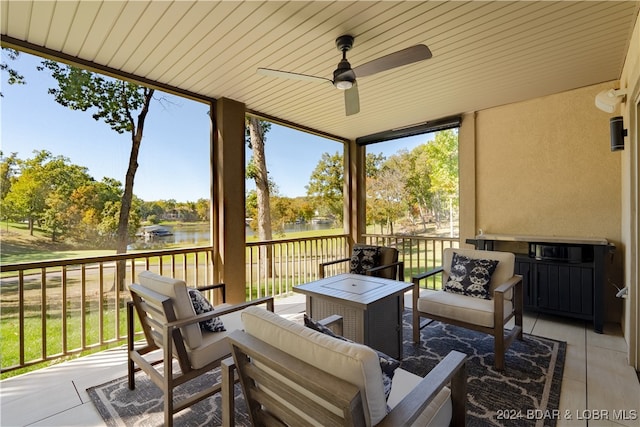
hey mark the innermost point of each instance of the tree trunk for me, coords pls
(261, 179)
(125, 207)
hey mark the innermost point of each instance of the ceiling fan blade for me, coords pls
(402, 57)
(289, 75)
(352, 100)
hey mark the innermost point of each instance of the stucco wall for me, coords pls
(544, 167)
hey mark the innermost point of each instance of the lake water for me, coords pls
(196, 235)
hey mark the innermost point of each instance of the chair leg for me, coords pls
(499, 348)
(228, 381)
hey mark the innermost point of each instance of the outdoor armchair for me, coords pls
(485, 312)
(379, 261)
(170, 324)
(292, 375)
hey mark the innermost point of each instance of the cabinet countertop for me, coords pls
(543, 239)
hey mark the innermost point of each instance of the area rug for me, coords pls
(527, 393)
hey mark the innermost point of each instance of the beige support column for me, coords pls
(467, 177)
(355, 194)
(228, 210)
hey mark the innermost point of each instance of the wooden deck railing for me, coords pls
(54, 309)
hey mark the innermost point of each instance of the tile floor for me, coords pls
(599, 388)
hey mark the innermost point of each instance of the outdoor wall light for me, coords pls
(618, 132)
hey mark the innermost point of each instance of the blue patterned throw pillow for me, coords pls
(202, 305)
(470, 276)
(388, 364)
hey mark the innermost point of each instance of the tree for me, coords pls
(326, 184)
(257, 170)
(386, 193)
(26, 199)
(115, 102)
(14, 77)
(256, 130)
(442, 162)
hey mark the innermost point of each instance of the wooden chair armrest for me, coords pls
(399, 264)
(516, 280)
(336, 261)
(221, 286)
(452, 369)
(426, 274)
(333, 320)
(221, 312)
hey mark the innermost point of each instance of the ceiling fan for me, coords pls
(344, 77)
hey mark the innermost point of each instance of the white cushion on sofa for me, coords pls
(355, 363)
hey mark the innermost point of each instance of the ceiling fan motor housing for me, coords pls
(343, 76)
(344, 43)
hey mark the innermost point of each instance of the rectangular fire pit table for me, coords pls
(370, 306)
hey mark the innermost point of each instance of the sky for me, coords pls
(174, 155)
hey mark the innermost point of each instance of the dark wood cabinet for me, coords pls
(557, 288)
(570, 287)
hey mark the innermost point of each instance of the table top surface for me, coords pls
(355, 288)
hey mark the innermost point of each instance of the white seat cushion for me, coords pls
(355, 363)
(437, 413)
(212, 347)
(464, 308)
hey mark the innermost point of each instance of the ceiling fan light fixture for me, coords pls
(344, 84)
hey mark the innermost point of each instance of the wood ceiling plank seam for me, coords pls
(394, 37)
(508, 80)
(367, 36)
(284, 40)
(325, 57)
(40, 23)
(100, 29)
(482, 55)
(182, 42)
(495, 75)
(121, 32)
(280, 83)
(143, 29)
(141, 61)
(194, 42)
(177, 38)
(80, 27)
(471, 32)
(468, 49)
(543, 71)
(19, 15)
(63, 17)
(306, 103)
(496, 61)
(248, 41)
(227, 27)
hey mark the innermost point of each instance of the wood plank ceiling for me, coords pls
(484, 53)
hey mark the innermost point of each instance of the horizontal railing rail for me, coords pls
(274, 267)
(53, 309)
